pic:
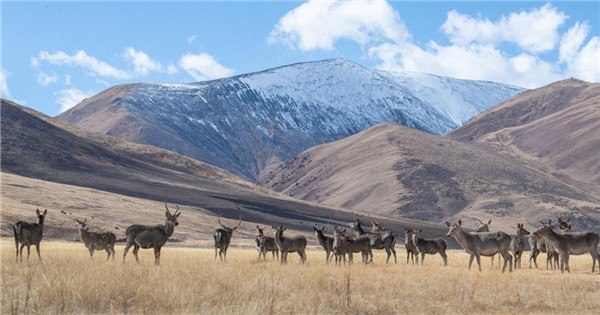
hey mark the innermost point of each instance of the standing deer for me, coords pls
(485, 227)
(289, 244)
(517, 244)
(325, 241)
(411, 249)
(482, 244)
(567, 244)
(538, 245)
(265, 244)
(380, 239)
(223, 238)
(29, 234)
(145, 236)
(97, 241)
(429, 246)
(345, 245)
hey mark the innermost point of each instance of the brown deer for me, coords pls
(538, 245)
(222, 238)
(567, 244)
(29, 234)
(411, 249)
(144, 236)
(325, 241)
(97, 241)
(289, 244)
(517, 244)
(265, 244)
(429, 246)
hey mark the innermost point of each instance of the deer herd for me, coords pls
(558, 246)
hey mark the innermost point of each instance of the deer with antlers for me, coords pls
(144, 236)
(222, 237)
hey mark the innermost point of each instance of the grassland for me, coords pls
(189, 281)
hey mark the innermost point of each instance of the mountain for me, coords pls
(402, 172)
(249, 124)
(49, 164)
(555, 128)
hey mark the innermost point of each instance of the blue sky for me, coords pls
(54, 54)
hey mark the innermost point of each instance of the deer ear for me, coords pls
(283, 228)
(448, 223)
(568, 219)
(420, 230)
(178, 214)
(490, 222)
(37, 211)
(459, 222)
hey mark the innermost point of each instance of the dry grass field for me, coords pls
(188, 281)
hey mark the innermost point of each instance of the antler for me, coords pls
(480, 222)
(168, 211)
(240, 221)
(219, 220)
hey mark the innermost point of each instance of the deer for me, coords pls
(265, 244)
(145, 236)
(485, 227)
(429, 246)
(567, 244)
(380, 238)
(29, 234)
(97, 241)
(481, 244)
(325, 241)
(517, 244)
(345, 245)
(222, 237)
(538, 245)
(411, 249)
(289, 244)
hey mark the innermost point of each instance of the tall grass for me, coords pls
(189, 281)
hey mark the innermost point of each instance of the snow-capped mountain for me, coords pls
(249, 124)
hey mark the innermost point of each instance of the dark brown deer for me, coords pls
(567, 244)
(289, 244)
(380, 238)
(325, 241)
(538, 245)
(265, 244)
(517, 244)
(97, 241)
(222, 238)
(429, 246)
(411, 249)
(29, 234)
(145, 236)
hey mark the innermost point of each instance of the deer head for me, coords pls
(83, 225)
(455, 228)
(172, 217)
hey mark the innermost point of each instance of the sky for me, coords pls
(55, 54)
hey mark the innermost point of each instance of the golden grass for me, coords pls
(189, 281)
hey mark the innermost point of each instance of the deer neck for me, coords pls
(279, 238)
(462, 237)
(551, 237)
(169, 228)
(85, 235)
(359, 231)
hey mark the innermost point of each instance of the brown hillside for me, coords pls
(50, 164)
(395, 170)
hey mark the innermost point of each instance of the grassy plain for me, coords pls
(188, 281)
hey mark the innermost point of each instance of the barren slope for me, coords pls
(118, 183)
(399, 171)
(555, 128)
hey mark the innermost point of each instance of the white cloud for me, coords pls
(172, 69)
(203, 67)
(319, 24)
(192, 39)
(534, 31)
(572, 40)
(82, 59)
(586, 64)
(71, 97)
(142, 62)
(4, 84)
(45, 79)
(68, 79)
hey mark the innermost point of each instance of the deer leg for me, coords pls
(407, 256)
(471, 261)
(136, 248)
(422, 258)
(28, 251)
(478, 261)
(157, 255)
(21, 253)
(389, 253)
(91, 249)
(445, 257)
(394, 252)
(37, 249)
(127, 246)
(593, 261)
